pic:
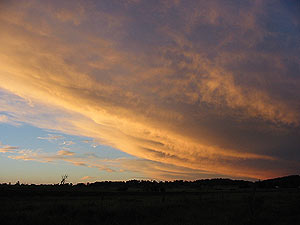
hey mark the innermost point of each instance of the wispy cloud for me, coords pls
(93, 143)
(8, 148)
(9, 120)
(3, 119)
(87, 178)
(52, 137)
(91, 161)
(65, 152)
(68, 143)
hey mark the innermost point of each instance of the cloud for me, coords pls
(207, 86)
(3, 119)
(8, 120)
(65, 152)
(86, 160)
(87, 178)
(7, 148)
(68, 143)
(52, 137)
(93, 143)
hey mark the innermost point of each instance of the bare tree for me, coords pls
(63, 179)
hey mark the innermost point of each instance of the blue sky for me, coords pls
(26, 137)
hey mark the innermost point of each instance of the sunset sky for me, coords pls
(149, 89)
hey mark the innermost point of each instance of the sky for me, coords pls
(139, 89)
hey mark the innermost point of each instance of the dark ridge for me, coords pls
(210, 201)
(292, 181)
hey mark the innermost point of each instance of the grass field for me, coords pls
(176, 208)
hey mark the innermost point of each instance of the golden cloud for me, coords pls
(65, 152)
(7, 148)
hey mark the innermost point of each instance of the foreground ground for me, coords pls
(241, 206)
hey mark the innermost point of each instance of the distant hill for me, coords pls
(292, 181)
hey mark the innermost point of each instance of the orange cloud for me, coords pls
(87, 178)
(65, 152)
(7, 148)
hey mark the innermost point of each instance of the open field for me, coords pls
(91, 206)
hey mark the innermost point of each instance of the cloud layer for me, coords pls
(7, 148)
(206, 86)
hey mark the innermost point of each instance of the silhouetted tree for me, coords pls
(63, 179)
